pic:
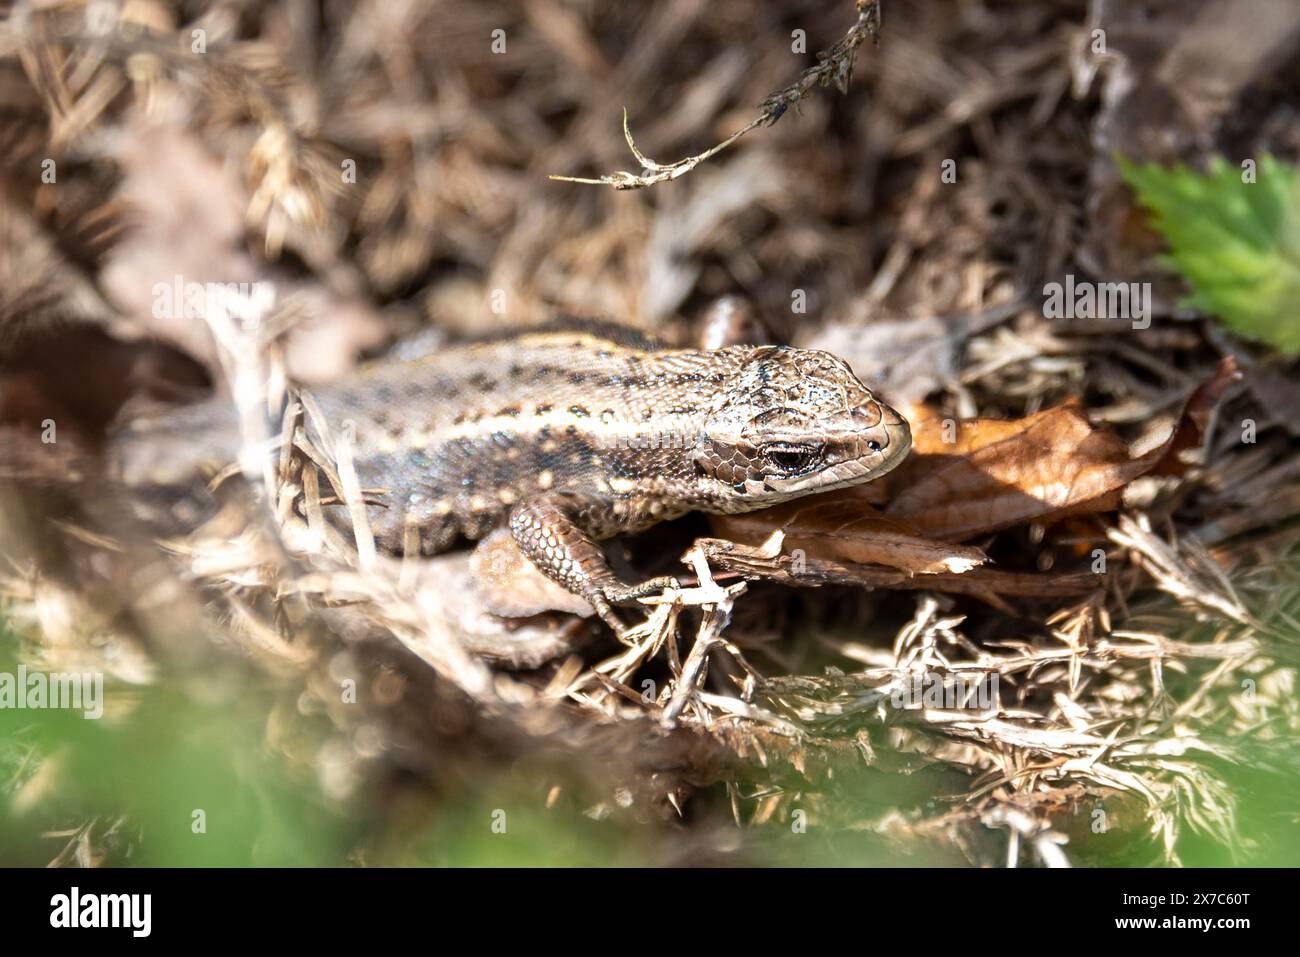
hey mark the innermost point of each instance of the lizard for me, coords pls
(569, 435)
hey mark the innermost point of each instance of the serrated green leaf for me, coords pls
(1237, 243)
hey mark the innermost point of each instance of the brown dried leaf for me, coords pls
(777, 564)
(190, 212)
(996, 474)
(841, 527)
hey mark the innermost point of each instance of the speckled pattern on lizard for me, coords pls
(569, 435)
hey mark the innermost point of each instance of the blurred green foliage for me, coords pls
(138, 780)
(1234, 235)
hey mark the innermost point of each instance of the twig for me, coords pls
(834, 66)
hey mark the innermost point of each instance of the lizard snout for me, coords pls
(885, 444)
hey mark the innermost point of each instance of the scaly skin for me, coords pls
(570, 436)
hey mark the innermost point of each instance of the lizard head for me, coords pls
(792, 422)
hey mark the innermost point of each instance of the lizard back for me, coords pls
(625, 431)
(452, 441)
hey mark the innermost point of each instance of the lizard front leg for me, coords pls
(548, 531)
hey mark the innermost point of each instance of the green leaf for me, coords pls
(1237, 243)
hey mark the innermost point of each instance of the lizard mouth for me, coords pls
(789, 465)
(874, 454)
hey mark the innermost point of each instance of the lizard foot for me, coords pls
(621, 594)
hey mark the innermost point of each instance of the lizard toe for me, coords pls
(621, 594)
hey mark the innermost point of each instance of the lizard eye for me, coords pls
(792, 459)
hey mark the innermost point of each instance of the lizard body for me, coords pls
(573, 435)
